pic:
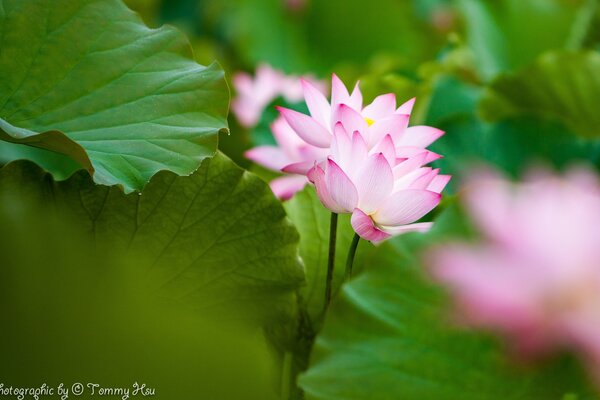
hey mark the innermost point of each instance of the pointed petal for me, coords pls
(420, 136)
(306, 127)
(395, 126)
(351, 119)
(374, 182)
(411, 151)
(409, 165)
(365, 228)
(340, 187)
(341, 146)
(431, 157)
(406, 181)
(285, 187)
(439, 183)
(317, 104)
(339, 93)
(398, 230)
(270, 157)
(382, 107)
(407, 107)
(317, 176)
(359, 147)
(424, 180)
(359, 154)
(386, 146)
(406, 206)
(311, 153)
(285, 136)
(356, 98)
(300, 168)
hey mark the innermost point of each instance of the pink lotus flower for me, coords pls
(375, 169)
(305, 141)
(291, 152)
(373, 121)
(254, 95)
(385, 193)
(536, 276)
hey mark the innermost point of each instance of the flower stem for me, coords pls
(331, 259)
(351, 254)
(286, 375)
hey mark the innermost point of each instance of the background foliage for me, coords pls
(87, 85)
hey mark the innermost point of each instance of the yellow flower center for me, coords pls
(369, 121)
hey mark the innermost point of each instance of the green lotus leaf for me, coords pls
(563, 86)
(505, 35)
(89, 80)
(217, 238)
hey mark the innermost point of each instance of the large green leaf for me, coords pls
(561, 85)
(214, 239)
(89, 80)
(62, 166)
(84, 314)
(388, 338)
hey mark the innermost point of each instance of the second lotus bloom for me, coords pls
(366, 161)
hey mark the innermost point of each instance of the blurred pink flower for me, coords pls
(536, 276)
(290, 151)
(254, 95)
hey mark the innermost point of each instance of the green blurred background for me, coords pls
(512, 82)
